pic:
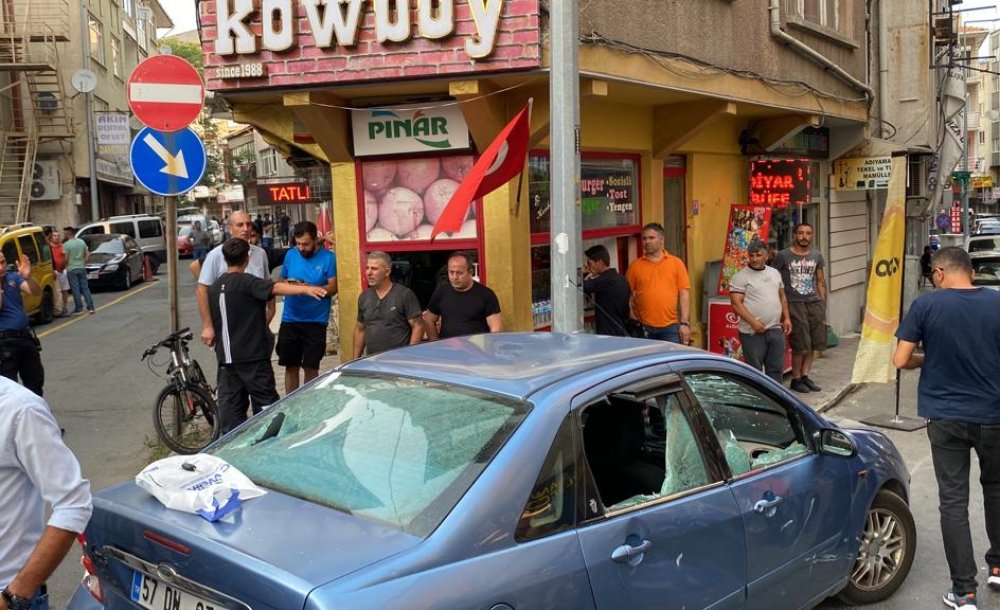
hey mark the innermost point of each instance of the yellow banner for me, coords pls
(885, 287)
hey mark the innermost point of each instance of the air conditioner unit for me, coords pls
(45, 180)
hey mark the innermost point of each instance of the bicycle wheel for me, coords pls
(198, 377)
(185, 418)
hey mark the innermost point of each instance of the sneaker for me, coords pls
(91, 311)
(799, 385)
(994, 579)
(965, 602)
(809, 384)
(77, 312)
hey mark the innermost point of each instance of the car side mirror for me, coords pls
(836, 442)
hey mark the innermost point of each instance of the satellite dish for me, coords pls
(84, 81)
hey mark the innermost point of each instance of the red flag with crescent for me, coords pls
(499, 163)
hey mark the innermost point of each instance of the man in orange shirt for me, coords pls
(661, 290)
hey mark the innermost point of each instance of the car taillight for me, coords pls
(91, 581)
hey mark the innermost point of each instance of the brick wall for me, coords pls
(518, 46)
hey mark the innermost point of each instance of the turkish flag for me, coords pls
(498, 164)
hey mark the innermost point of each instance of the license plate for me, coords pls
(92, 275)
(155, 595)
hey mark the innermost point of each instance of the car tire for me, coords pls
(47, 312)
(126, 278)
(888, 545)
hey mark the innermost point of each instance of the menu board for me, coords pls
(609, 193)
(746, 224)
(403, 198)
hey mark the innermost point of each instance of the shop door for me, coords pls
(674, 217)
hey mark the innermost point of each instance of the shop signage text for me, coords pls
(294, 43)
(779, 182)
(284, 193)
(981, 182)
(407, 129)
(862, 173)
(337, 23)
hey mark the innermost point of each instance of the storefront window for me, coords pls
(403, 198)
(610, 203)
(609, 190)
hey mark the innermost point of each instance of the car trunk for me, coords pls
(268, 554)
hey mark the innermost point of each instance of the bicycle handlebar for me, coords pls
(183, 335)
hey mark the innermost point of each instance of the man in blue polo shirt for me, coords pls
(302, 336)
(959, 393)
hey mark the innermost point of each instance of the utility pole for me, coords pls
(567, 305)
(95, 210)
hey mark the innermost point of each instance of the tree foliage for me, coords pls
(187, 50)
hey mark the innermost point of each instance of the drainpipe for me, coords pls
(813, 54)
(883, 68)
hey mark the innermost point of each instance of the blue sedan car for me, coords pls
(517, 471)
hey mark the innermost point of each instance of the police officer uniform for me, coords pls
(18, 346)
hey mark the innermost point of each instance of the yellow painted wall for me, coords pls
(345, 211)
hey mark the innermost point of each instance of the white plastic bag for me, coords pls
(202, 484)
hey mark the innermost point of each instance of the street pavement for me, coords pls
(102, 395)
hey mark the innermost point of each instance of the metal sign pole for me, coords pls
(567, 307)
(175, 322)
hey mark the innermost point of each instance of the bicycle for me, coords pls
(185, 414)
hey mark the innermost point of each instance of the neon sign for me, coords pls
(779, 182)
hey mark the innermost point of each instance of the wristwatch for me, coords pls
(15, 602)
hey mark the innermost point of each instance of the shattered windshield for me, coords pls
(397, 450)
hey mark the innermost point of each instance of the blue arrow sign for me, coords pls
(168, 163)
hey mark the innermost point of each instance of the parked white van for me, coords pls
(146, 230)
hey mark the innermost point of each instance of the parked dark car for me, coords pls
(115, 261)
(986, 269)
(525, 470)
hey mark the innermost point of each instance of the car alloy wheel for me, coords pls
(888, 544)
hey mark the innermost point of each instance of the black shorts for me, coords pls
(808, 327)
(301, 344)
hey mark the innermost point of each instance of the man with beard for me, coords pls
(661, 289)
(463, 306)
(302, 336)
(758, 298)
(388, 313)
(801, 270)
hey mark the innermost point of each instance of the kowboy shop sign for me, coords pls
(408, 129)
(296, 42)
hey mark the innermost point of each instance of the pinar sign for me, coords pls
(779, 182)
(281, 43)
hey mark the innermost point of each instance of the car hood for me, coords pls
(268, 554)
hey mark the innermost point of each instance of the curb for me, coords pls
(841, 395)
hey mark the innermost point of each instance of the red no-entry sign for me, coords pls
(165, 92)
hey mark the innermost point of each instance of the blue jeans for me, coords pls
(670, 333)
(951, 443)
(78, 285)
(765, 351)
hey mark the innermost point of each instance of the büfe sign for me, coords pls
(282, 43)
(779, 182)
(284, 193)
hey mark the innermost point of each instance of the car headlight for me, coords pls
(111, 267)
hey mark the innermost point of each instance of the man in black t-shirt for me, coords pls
(609, 290)
(388, 313)
(238, 302)
(463, 306)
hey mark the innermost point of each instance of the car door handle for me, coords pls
(627, 553)
(767, 507)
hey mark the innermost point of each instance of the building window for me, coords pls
(824, 13)
(97, 39)
(269, 162)
(129, 7)
(116, 57)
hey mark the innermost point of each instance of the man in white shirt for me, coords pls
(215, 266)
(35, 468)
(757, 294)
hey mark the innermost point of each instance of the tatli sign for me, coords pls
(336, 22)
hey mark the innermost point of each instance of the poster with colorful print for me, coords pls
(746, 223)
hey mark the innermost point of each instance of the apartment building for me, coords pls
(45, 127)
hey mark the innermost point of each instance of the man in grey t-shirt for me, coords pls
(389, 314)
(758, 297)
(801, 270)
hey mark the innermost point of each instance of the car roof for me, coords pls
(515, 364)
(102, 236)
